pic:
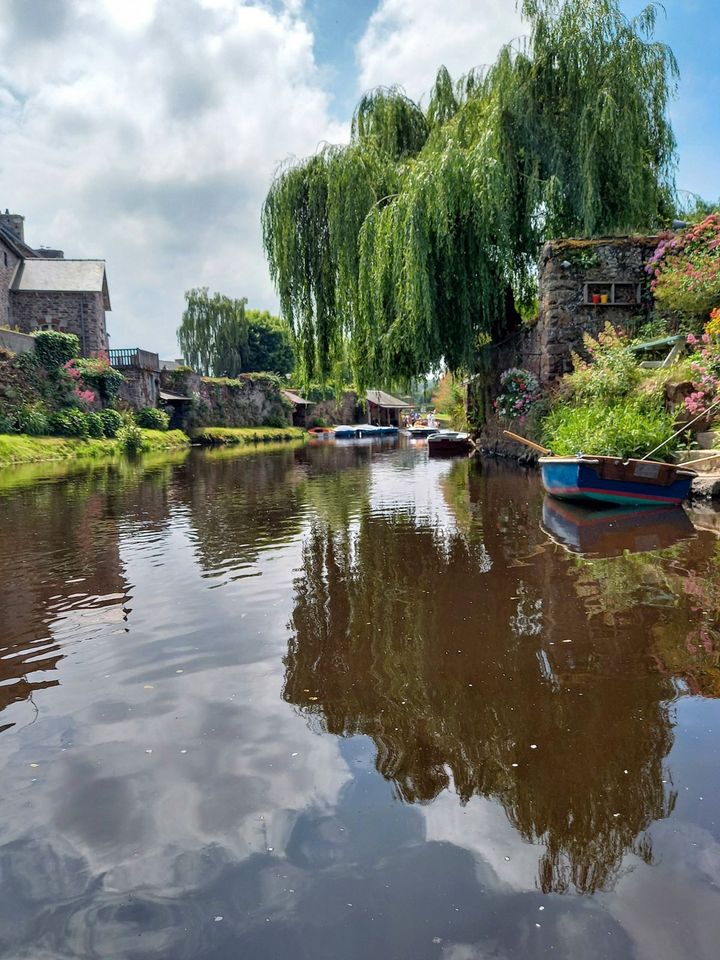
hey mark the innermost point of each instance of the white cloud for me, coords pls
(407, 40)
(147, 133)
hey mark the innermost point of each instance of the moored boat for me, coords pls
(420, 433)
(345, 432)
(614, 480)
(322, 432)
(449, 443)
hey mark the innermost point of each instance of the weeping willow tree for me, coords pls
(417, 241)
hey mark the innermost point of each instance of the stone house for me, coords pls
(41, 290)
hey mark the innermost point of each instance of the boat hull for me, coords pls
(609, 480)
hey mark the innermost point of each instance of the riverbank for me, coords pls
(21, 448)
(217, 436)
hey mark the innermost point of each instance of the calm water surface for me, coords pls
(341, 702)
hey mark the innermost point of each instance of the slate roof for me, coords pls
(17, 246)
(296, 399)
(382, 399)
(52, 275)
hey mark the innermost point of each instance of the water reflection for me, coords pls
(352, 702)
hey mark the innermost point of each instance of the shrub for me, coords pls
(130, 438)
(152, 419)
(628, 428)
(685, 269)
(54, 349)
(275, 420)
(6, 425)
(97, 374)
(31, 419)
(318, 422)
(611, 372)
(96, 428)
(69, 423)
(111, 422)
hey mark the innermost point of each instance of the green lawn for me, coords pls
(221, 435)
(20, 448)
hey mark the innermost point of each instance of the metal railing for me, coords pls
(134, 357)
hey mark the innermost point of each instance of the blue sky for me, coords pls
(147, 132)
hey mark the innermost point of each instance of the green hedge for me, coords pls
(54, 349)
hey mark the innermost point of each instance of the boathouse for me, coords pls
(300, 406)
(384, 409)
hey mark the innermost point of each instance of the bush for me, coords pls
(111, 422)
(627, 428)
(611, 372)
(275, 420)
(685, 269)
(97, 374)
(130, 438)
(31, 419)
(96, 428)
(54, 349)
(520, 390)
(152, 419)
(69, 423)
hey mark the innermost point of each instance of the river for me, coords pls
(342, 702)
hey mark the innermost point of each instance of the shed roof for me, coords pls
(382, 399)
(296, 399)
(52, 275)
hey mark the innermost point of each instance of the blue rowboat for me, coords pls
(613, 480)
(345, 433)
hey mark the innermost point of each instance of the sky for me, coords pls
(147, 132)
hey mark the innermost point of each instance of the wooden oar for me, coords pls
(528, 443)
(689, 463)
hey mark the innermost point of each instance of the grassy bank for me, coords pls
(20, 448)
(232, 435)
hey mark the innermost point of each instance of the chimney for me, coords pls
(14, 224)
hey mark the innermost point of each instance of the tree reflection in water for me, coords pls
(448, 651)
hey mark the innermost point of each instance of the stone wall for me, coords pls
(251, 400)
(80, 313)
(347, 410)
(568, 273)
(140, 388)
(8, 263)
(16, 342)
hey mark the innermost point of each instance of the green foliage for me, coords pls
(54, 349)
(152, 419)
(130, 438)
(96, 427)
(31, 419)
(449, 399)
(630, 427)
(685, 269)
(612, 371)
(269, 344)
(111, 422)
(415, 243)
(69, 423)
(97, 375)
(213, 332)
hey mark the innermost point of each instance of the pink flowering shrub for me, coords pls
(684, 271)
(705, 364)
(520, 390)
(85, 398)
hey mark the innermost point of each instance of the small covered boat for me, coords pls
(445, 443)
(346, 432)
(614, 480)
